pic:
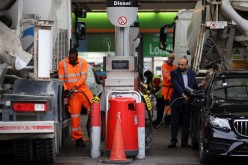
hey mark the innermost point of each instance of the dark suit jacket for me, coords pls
(177, 81)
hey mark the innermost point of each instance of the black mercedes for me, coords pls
(220, 116)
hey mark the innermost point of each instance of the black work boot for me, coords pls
(80, 143)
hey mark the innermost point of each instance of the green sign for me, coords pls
(101, 42)
(151, 45)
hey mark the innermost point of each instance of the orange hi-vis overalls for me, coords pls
(71, 76)
(167, 89)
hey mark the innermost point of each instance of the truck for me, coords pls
(34, 37)
(217, 36)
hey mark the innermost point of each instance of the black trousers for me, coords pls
(177, 114)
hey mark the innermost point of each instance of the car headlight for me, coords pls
(219, 123)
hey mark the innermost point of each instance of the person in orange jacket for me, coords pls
(73, 72)
(167, 89)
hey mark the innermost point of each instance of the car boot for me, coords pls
(80, 143)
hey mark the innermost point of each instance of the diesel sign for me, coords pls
(122, 13)
(122, 3)
(119, 3)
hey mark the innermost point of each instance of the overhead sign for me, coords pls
(122, 13)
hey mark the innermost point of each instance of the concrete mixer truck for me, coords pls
(34, 37)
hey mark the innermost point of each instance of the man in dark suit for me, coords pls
(181, 77)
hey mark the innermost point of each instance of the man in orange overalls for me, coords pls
(73, 72)
(167, 89)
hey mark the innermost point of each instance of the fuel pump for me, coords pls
(122, 71)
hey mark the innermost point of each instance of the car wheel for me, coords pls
(204, 156)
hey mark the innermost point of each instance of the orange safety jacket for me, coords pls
(76, 76)
(73, 75)
(167, 89)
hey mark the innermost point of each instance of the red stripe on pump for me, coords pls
(95, 115)
(140, 109)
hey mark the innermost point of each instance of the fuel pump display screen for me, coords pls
(120, 64)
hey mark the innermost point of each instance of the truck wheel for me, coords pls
(45, 150)
(23, 150)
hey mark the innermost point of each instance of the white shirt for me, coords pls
(185, 79)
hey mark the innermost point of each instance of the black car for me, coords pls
(220, 116)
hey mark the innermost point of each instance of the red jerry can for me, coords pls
(129, 121)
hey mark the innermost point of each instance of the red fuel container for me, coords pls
(129, 122)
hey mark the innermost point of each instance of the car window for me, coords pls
(231, 88)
